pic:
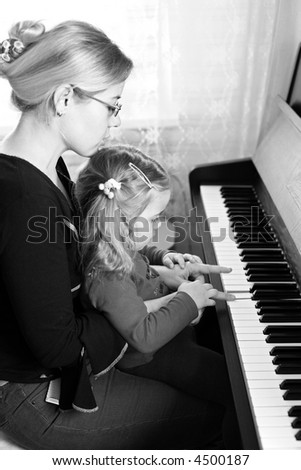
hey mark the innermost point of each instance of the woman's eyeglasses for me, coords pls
(113, 108)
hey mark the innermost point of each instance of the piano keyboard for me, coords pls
(266, 316)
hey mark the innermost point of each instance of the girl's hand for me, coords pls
(204, 295)
(170, 259)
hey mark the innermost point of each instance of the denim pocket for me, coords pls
(35, 395)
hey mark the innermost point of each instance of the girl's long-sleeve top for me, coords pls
(43, 326)
(122, 302)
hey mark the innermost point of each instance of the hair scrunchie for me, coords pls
(11, 49)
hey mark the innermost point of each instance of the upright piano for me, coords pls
(247, 215)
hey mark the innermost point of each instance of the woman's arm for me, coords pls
(36, 267)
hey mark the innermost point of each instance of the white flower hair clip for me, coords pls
(108, 186)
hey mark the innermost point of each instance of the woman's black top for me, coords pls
(43, 328)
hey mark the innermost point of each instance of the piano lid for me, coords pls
(278, 161)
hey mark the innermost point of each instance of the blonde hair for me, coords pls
(73, 52)
(106, 231)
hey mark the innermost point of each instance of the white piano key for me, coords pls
(258, 393)
(261, 375)
(246, 330)
(274, 421)
(245, 322)
(261, 344)
(256, 367)
(244, 317)
(247, 352)
(271, 401)
(265, 383)
(250, 337)
(277, 411)
(241, 304)
(280, 443)
(243, 295)
(281, 431)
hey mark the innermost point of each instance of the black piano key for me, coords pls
(291, 384)
(286, 359)
(272, 294)
(279, 318)
(262, 251)
(237, 188)
(255, 216)
(295, 411)
(282, 338)
(254, 211)
(296, 350)
(253, 237)
(277, 285)
(289, 330)
(247, 228)
(288, 369)
(245, 219)
(266, 265)
(238, 203)
(296, 424)
(292, 395)
(261, 256)
(284, 271)
(255, 244)
(298, 436)
(241, 197)
(281, 309)
(269, 277)
(277, 303)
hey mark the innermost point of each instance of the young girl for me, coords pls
(122, 194)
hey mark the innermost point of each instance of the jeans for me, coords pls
(134, 413)
(198, 371)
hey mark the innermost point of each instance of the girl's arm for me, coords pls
(145, 331)
(155, 304)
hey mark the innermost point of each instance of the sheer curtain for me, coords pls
(201, 82)
(202, 70)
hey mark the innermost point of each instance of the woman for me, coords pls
(67, 82)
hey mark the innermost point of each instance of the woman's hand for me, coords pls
(171, 259)
(173, 278)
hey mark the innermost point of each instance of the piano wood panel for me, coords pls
(278, 161)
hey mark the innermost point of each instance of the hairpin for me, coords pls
(141, 175)
(11, 49)
(108, 186)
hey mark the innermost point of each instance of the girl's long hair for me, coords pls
(106, 243)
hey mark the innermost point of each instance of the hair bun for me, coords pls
(26, 31)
